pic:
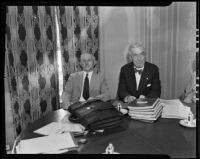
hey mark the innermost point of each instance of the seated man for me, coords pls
(138, 79)
(86, 84)
(189, 94)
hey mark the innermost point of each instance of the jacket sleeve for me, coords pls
(104, 90)
(122, 86)
(156, 85)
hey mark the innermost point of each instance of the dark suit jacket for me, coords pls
(149, 85)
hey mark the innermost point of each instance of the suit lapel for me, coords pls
(143, 79)
(92, 81)
(80, 81)
(132, 77)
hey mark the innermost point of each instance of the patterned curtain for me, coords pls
(31, 63)
(79, 33)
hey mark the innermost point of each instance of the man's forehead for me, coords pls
(137, 50)
(86, 56)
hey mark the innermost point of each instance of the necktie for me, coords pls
(138, 70)
(86, 88)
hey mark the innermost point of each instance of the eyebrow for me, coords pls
(87, 59)
(138, 54)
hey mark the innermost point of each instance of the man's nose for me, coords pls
(140, 57)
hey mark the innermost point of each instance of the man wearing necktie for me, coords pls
(138, 79)
(86, 84)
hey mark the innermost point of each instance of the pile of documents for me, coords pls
(145, 109)
(174, 109)
(58, 139)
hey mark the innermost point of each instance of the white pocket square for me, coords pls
(148, 85)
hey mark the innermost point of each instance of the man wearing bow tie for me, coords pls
(138, 79)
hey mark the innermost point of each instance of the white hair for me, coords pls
(93, 58)
(128, 50)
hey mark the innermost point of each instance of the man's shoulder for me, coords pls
(126, 66)
(151, 65)
(98, 74)
(76, 74)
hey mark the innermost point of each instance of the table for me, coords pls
(165, 136)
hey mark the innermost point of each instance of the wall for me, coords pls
(114, 34)
(174, 57)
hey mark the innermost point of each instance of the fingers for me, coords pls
(129, 99)
(91, 98)
(142, 96)
(66, 105)
(81, 126)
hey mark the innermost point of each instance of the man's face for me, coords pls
(138, 57)
(87, 62)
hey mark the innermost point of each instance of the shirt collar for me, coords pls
(141, 68)
(89, 73)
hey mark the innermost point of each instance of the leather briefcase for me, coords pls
(95, 115)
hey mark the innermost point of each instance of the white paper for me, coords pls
(50, 129)
(70, 127)
(174, 109)
(46, 144)
(59, 127)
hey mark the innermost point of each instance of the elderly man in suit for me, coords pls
(138, 79)
(86, 84)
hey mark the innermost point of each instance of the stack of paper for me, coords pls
(48, 144)
(174, 109)
(145, 109)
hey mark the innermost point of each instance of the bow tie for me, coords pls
(139, 70)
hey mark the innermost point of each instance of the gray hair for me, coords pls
(93, 58)
(129, 50)
(135, 46)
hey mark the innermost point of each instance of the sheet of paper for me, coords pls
(49, 129)
(46, 144)
(59, 127)
(70, 127)
(174, 109)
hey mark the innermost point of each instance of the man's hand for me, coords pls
(129, 99)
(65, 105)
(93, 98)
(142, 97)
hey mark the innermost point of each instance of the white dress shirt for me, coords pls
(89, 77)
(138, 76)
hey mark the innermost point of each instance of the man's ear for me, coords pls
(128, 58)
(94, 63)
(80, 65)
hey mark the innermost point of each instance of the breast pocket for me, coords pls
(148, 85)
